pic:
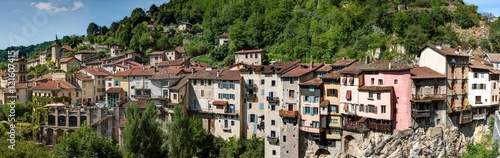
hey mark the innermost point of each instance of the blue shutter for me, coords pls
(304, 110)
(261, 106)
(262, 92)
(248, 106)
(254, 128)
(249, 118)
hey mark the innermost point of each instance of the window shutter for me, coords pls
(249, 117)
(248, 106)
(261, 106)
(303, 110)
(262, 92)
(375, 109)
(366, 108)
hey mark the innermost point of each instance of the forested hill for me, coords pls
(322, 30)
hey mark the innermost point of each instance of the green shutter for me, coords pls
(249, 117)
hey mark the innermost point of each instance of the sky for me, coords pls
(25, 22)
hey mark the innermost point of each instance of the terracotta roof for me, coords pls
(494, 57)
(114, 90)
(67, 59)
(249, 51)
(180, 84)
(52, 85)
(325, 68)
(134, 63)
(205, 74)
(157, 53)
(375, 88)
(94, 62)
(492, 71)
(343, 63)
(83, 76)
(312, 82)
(163, 75)
(232, 75)
(43, 52)
(180, 49)
(176, 62)
(176, 70)
(332, 75)
(5, 90)
(386, 65)
(109, 77)
(24, 85)
(86, 52)
(325, 103)
(443, 51)
(301, 70)
(353, 68)
(67, 48)
(480, 63)
(97, 71)
(140, 103)
(136, 72)
(220, 103)
(121, 60)
(425, 73)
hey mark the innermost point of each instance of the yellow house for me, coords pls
(331, 90)
(123, 81)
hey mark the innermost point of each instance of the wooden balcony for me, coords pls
(251, 86)
(226, 129)
(428, 97)
(273, 140)
(479, 116)
(273, 99)
(333, 136)
(420, 113)
(380, 127)
(141, 96)
(250, 96)
(286, 113)
(351, 126)
(465, 117)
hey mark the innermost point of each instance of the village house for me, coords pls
(85, 85)
(202, 95)
(480, 88)
(330, 107)
(228, 104)
(223, 39)
(56, 89)
(494, 59)
(249, 57)
(428, 89)
(68, 62)
(99, 87)
(115, 50)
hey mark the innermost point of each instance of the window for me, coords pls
(109, 84)
(284, 138)
(372, 109)
(361, 108)
(336, 121)
(380, 82)
(307, 110)
(475, 75)
(225, 124)
(262, 92)
(383, 109)
(396, 81)
(261, 106)
(370, 95)
(311, 88)
(146, 84)
(478, 100)
(494, 85)
(331, 92)
(273, 107)
(273, 83)
(292, 80)
(315, 111)
(137, 84)
(76, 94)
(291, 93)
(175, 96)
(232, 123)
(249, 105)
(246, 55)
(202, 82)
(333, 108)
(273, 122)
(117, 83)
(474, 86)
(274, 151)
(252, 118)
(262, 81)
(373, 81)
(482, 75)
(378, 96)
(202, 93)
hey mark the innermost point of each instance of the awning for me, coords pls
(363, 119)
(351, 80)
(219, 103)
(346, 106)
(348, 95)
(325, 103)
(343, 79)
(114, 90)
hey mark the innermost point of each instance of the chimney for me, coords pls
(367, 59)
(218, 73)
(312, 64)
(154, 68)
(343, 58)
(439, 47)
(390, 66)
(192, 72)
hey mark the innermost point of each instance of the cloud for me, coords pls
(49, 8)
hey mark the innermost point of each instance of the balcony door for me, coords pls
(271, 94)
(290, 107)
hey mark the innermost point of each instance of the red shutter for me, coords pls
(343, 79)
(348, 95)
(351, 80)
(346, 106)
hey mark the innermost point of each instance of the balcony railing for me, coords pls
(141, 96)
(286, 113)
(429, 97)
(273, 99)
(420, 113)
(231, 111)
(250, 96)
(251, 86)
(226, 129)
(479, 116)
(466, 118)
(379, 127)
(273, 140)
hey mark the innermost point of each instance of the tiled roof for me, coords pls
(232, 75)
(180, 49)
(249, 51)
(157, 53)
(353, 68)
(480, 63)
(134, 63)
(180, 84)
(385, 65)
(121, 60)
(141, 72)
(83, 76)
(332, 75)
(224, 35)
(140, 103)
(163, 75)
(425, 73)
(325, 68)
(176, 62)
(97, 71)
(67, 48)
(444, 51)
(312, 82)
(494, 57)
(325, 103)
(205, 74)
(67, 59)
(219, 103)
(278, 67)
(52, 85)
(114, 90)
(343, 63)
(301, 70)
(94, 62)
(375, 88)
(43, 52)
(24, 85)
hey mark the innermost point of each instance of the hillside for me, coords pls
(321, 30)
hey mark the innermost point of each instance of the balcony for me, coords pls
(251, 86)
(273, 140)
(466, 117)
(380, 127)
(420, 113)
(428, 97)
(159, 97)
(250, 96)
(231, 111)
(286, 113)
(226, 129)
(333, 136)
(479, 116)
(272, 99)
(141, 96)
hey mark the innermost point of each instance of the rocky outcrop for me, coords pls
(435, 142)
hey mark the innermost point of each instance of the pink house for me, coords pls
(384, 95)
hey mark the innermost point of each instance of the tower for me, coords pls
(56, 52)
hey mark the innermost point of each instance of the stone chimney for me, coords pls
(312, 64)
(390, 66)
(367, 60)
(154, 68)
(343, 58)
(218, 73)
(192, 72)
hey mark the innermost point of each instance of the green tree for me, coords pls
(142, 136)
(85, 142)
(185, 131)
(28, 149)
(92, 29)
(73, 69)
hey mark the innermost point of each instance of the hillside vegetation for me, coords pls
(319, 30)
